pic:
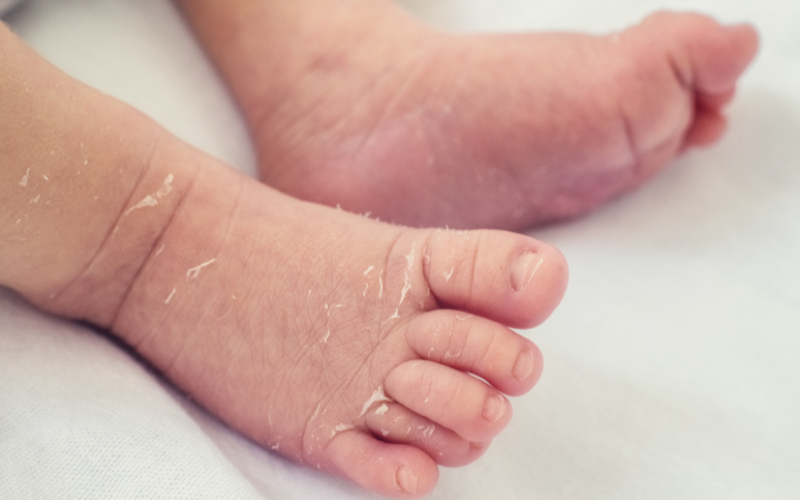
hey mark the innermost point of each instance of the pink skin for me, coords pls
(303, 331)
(355, 103)
(341, 342)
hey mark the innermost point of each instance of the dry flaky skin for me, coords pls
(264, 311)
(353, 102)
(341, 342)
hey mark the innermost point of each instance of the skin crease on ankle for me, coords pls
(343, 343)
(53, 178)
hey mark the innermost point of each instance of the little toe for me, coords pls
(394, 423)
(505, 277)
(714, 101)
(453, 399)
(505, 359)
(708, 126)
(396, 470)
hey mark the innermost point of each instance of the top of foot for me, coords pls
(343, 343)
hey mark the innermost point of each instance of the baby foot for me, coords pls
(373, 112)
(343, 343)
(346, 344)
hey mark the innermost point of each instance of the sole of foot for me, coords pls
(379, 114)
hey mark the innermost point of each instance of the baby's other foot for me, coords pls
(376, 113)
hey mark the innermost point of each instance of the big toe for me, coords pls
(708, 56)
(505, 277)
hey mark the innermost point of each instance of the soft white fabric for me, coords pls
(671, 367)
(6, 5)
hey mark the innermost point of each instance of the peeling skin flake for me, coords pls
(151, 200)
(366, 275)
(148, 201)
(166, 188)
(195, 271)
(376, 397)
(312, 429)
(407, 278)
(316, 412)
(410, 256)
(404, 291)
(341, 428)
(24, 181)
(393, 316)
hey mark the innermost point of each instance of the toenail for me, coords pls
(524, 365)
(406, 480)
(493, 408)
(524, 268)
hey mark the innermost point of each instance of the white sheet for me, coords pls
(672, 367)
(6, 5)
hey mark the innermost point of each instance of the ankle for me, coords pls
(96, 291)
(180, 247)
(72, 158)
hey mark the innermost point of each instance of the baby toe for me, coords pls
(506, 277)
(395, 423)
(467, 406)
(710, 57)
(505, 359)
(707, 128)
(715, 101)
(390, 469)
